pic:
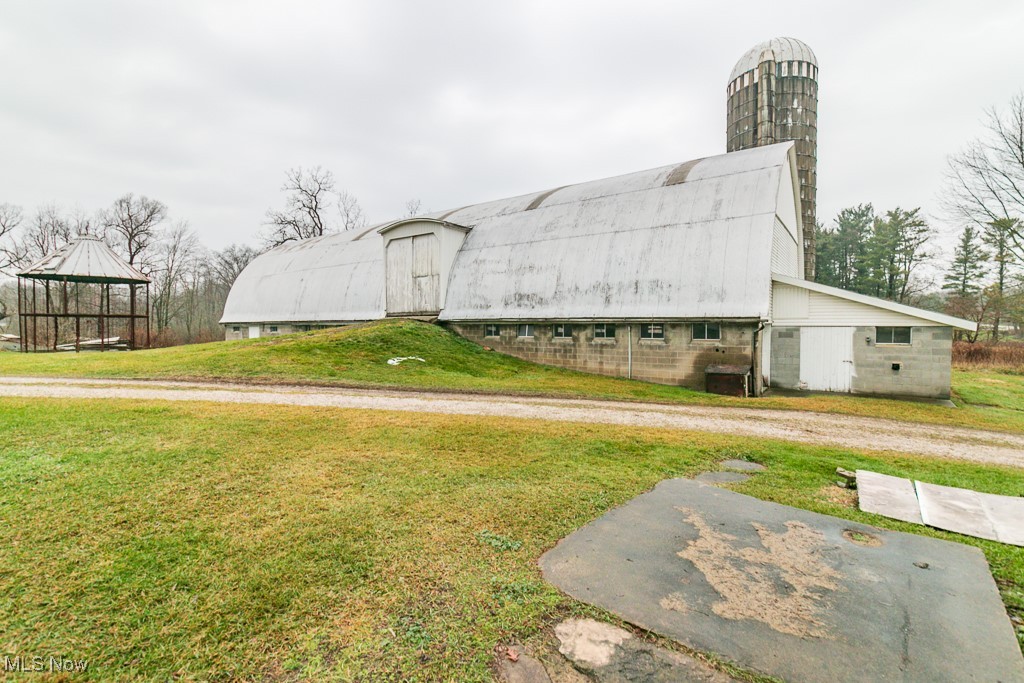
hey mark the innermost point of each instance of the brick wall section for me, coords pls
(678, 360)
(925, 363)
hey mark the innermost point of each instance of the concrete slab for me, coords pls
(744, 465)
(893, 497)
(608, 653)
(790, 593)
(721, 477)
(984, 515)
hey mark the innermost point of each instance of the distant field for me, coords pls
(204, 541)
(357, 356)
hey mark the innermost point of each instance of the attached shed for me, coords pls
(827, 339)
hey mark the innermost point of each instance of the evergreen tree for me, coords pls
(968, 267)
(842, 250)
(896, 248)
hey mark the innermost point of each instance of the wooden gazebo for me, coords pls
(82, 296)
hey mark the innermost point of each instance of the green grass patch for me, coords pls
(358, 355)
(220, 542)
(990, 388)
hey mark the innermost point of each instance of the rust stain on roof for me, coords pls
(539, 199)
(679, 173)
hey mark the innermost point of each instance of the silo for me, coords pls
(773, 97)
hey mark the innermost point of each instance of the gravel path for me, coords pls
(805, 427)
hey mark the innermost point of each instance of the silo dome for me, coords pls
(779, 50)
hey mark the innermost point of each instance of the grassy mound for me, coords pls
(357, 356)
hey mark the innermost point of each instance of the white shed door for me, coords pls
(826, 358)
(254, 331)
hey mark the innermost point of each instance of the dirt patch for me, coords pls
(847, 498)
(783, 584)
(862, 538)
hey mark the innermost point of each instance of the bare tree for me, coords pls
(309, 196)
(228, 263)
(11, 218)
(132, 224)
(986, 180)
(413, 208)
(174, 254)
(352, 217)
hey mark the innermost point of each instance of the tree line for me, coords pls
(190, 282)
(885, 254)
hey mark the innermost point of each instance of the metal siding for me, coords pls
(826, 358)
(823, 310)
(785, 258)
(791, 303)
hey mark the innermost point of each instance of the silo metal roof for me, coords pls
(85, 259)
(779, 49)
(690, 240)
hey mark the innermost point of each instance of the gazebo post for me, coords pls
(131, 315)
(35, 320)
(100, 319)
(149, 341)
(21, 318)
(78, 321)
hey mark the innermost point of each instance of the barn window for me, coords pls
(236, 328)
(492, 331)
(652, 331)
(707, 332)
(604, 331)
(563, 331)
(892, 335)
(273, 329)
(525, 330)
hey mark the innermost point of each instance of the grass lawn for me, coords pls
(211, 541)
(357, 356)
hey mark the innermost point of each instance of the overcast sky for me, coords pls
(205, 104)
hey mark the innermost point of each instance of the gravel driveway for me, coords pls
(805, 427)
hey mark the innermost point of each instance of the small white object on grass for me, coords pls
(398, 361)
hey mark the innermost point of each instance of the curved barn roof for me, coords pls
(779, 49)
(85, 259)
(688, 240)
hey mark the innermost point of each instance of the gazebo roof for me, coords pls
(85, 259)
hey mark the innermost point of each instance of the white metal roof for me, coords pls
(921, 313)
(85, 259)
(688, 240)
(335, 278)
(779, 50)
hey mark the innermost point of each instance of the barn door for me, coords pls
(826, 358)
(413, 280)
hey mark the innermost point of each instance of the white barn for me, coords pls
(655, 275)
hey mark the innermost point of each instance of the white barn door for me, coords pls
(413, 279)
(826, 358)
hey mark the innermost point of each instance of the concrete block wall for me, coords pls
(242, 331)
(785, 353)
(677, 360)
(925, 363)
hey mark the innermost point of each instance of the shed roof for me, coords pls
(883, 304)
(688, 240)
(85, 259)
